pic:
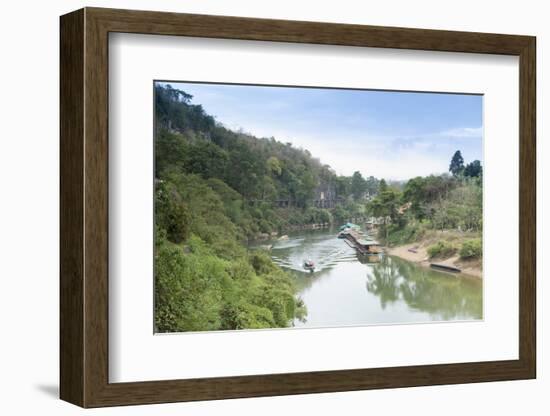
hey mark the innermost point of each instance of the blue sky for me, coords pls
(392, 135)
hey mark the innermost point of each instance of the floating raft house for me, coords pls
(362, 243)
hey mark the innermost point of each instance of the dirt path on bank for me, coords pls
(419, 255)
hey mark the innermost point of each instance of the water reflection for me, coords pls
(443, 296)
(349, 290)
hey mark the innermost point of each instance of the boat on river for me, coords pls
(309, 265)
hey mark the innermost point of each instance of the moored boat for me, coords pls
(445, 268)
(350, 226)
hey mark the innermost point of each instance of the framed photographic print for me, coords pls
(255, 207)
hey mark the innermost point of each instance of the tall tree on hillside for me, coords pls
(274, 166)
(386, 206)
(473, 170)
(372, 185)
(382, 186)
(457, 164)
(306, 189)
(175, 94)
(358, 185)
(343, 186)
(415, 193)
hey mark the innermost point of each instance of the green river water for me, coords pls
(345, 291)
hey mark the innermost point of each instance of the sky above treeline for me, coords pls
(386, 134)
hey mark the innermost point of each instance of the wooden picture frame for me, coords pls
(84, 207)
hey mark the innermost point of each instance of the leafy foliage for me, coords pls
(457, 164)
(210, 281)
(474, 169)
(436, 202)
(358, 185)
(206, 177)
(196, 290)
(471, 249)
(191, 141)
(462, 209)
(412, 231)
(442, 249)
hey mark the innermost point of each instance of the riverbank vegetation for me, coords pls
(205, 278)
(447, 208)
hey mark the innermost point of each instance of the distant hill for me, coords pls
(189, 139)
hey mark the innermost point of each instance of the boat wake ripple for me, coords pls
(324, 252)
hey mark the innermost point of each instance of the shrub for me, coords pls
(471, 249)
(341, 214)
(172, 214)
(403, 235)
(442, 249)
(197, 290)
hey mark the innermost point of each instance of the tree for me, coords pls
(306, 189)
(415, 194)
(170, 152)
(274, 166)
(171, 213)
(473, 170)
(372, 185)
(246, 170)
(343, 186)
(457, 164)
(176, 95)
(358, 185)
(382, 186)
(206, 159)
(386, 206)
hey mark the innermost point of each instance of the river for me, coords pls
(345, 291)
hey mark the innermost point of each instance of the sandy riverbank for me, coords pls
(420, 256)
